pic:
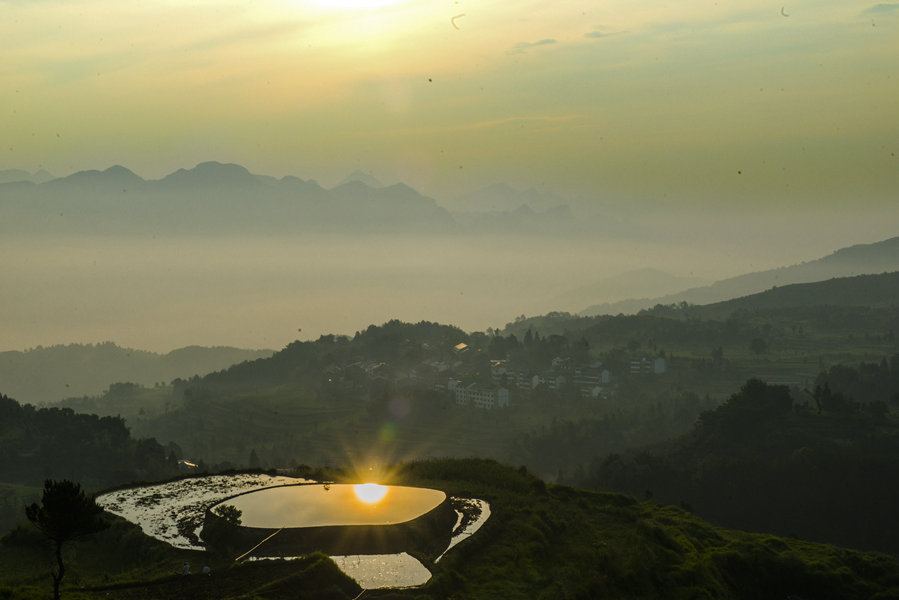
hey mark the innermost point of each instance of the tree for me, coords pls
(64, 514)
(230, 513)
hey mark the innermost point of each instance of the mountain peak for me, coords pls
(366, 178)
(115, 175)
(120, 173)
(353, 186)
(212, 173)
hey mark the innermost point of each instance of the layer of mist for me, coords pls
(218, 256)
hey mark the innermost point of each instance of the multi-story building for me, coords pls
(482, 396)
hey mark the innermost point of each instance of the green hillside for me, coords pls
(819, 464)
(878, 257)
(539, 542)
(862, 290)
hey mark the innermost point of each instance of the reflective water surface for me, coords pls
(383, 570)
(337, 504)
(373, 571)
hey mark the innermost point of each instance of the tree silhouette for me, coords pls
(64, 514)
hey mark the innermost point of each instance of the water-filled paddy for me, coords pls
(173, 512)
(336, 504)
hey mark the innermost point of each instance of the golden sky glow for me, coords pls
(651, 100)
(734, 136)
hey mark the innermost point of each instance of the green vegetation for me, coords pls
(42, 443)
(123, 563)
(318, 402)
(810, 454)
(64, 514)
(818, 465)
(57, 443)
(541, 541)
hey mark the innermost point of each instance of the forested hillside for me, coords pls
(57, 443)
(816, 464)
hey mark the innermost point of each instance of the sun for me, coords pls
(370, 492)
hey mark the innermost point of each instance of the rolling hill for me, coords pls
(878, 257)
(49, 374)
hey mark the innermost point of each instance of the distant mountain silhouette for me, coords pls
(113, 177)
(366, 178)
(638, 283)
(211, 175)
(216, 198)
(880, 290)
(878, 257)
(51, 373)
(211, 198)
(361, 205)
(18, 175)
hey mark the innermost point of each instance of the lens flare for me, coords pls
(370, 492)
(387, 432)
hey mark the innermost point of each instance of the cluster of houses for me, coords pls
(645, 366)
(589, 381)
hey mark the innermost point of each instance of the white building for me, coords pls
(481, 396)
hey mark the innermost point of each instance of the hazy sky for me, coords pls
(695, 102)
(746, 135)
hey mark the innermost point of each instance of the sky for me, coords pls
(747, 135)
(696, 103)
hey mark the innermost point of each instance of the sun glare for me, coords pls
(370, 492)
(354, 5)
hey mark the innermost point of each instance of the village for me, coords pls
(469, 379)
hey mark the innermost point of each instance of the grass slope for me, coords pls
(540, 542)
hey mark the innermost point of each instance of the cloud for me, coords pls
(523, 47)
(598, 34)
(880, 9)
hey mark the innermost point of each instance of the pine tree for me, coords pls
(64, 514)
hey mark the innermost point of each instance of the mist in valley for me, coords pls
(618, 282)
(117, 273)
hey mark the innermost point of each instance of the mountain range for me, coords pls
(215, 198)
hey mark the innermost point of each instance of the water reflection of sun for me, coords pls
(370, 493)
